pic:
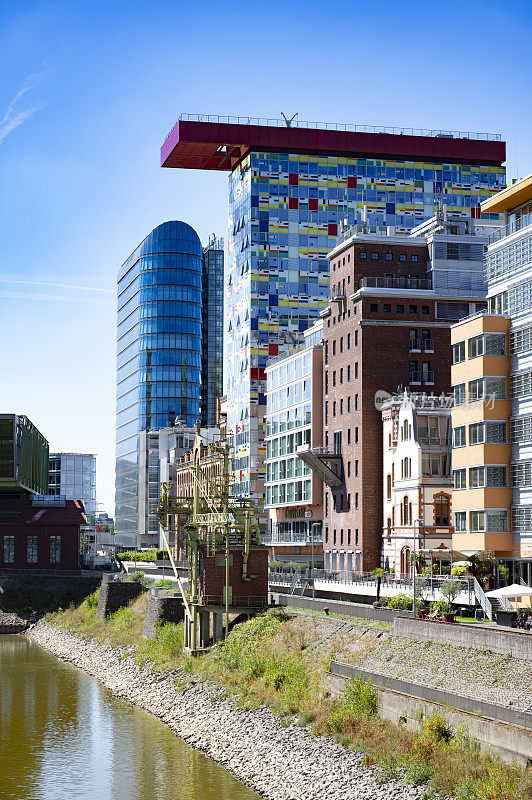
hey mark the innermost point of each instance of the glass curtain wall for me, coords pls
(158, 352)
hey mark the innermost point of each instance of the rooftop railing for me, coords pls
(513, 227)
(395, 283)
(339, 126)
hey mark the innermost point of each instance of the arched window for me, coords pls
(405, 561)
(389, 487)
(389, 526)
(405, 510)
(441, 509)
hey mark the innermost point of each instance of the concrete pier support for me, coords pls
(217, 626)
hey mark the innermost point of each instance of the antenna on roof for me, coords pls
(289, 121)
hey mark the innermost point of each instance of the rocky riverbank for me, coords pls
(280, 761)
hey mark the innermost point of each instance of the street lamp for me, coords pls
(314, 532)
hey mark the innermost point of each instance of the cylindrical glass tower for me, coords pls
(170, 266)
(158, 353)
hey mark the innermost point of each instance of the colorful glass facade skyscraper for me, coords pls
(158, 352)
(290, 188)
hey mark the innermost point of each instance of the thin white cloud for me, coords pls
(12, 118)
(8, 279)
(36, 296)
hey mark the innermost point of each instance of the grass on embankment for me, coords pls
(271, 660)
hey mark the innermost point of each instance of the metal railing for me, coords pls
(512, 227)
(395, 283)
(274, 122)
(369, 579)
(482, 599)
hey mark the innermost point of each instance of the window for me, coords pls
(349, 436)
(341, 406)
(400, 308)
(349, 372)
(348, 469)
(375, 256)
(441, 509)
(459, 479)
(341, 344)
(356, 369)
(356, 435)
(402, 256)
(374, 307)
(348, 341)
(363, 254)
(389, 257)
(459, 394)
(389, 487)
(356, 338)
(334, 347)
(386, 308)
(9, 549)
(476, 477)
(356, 499)
(460, 521)
(341, 375)
(488, 344)
(412, 309)
(459, 436)
(356, 467)
(424, 309)
(326, 352)
(413, 258)
(55, 549)
(496, 476)
(349, 404)
(32, 551)
(356, 402)
(458, 352)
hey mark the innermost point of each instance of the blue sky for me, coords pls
(88, 93)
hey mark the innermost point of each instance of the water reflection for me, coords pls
(62, 735)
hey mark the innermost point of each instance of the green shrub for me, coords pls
(140, 577)
(164, 583)
(359, 700)
(162, 555)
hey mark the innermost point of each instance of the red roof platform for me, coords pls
(219, 143)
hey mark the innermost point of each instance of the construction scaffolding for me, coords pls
(227, 567)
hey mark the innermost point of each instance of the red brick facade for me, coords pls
(26, 531)
(251, 593)
(367, 349)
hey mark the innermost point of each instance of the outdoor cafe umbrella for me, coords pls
(515, 590)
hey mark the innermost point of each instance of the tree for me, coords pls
(450, 590)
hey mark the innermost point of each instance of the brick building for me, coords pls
(40, 534)
(385, 328)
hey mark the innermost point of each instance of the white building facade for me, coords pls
(416, 480)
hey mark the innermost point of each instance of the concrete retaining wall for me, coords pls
(517, 643)
(115, 595)
(358, 610)
(39, 594)
(500, 730)
(160, 608)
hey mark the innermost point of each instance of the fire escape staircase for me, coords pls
(324, 462)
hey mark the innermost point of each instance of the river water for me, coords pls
(63, 736)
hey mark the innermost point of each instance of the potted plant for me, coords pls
(450, 589)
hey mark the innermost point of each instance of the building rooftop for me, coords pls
(199, 141)
(509, 198)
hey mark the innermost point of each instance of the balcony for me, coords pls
(513, 227)
(401, 282)
(420, 344)
(324, 462)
